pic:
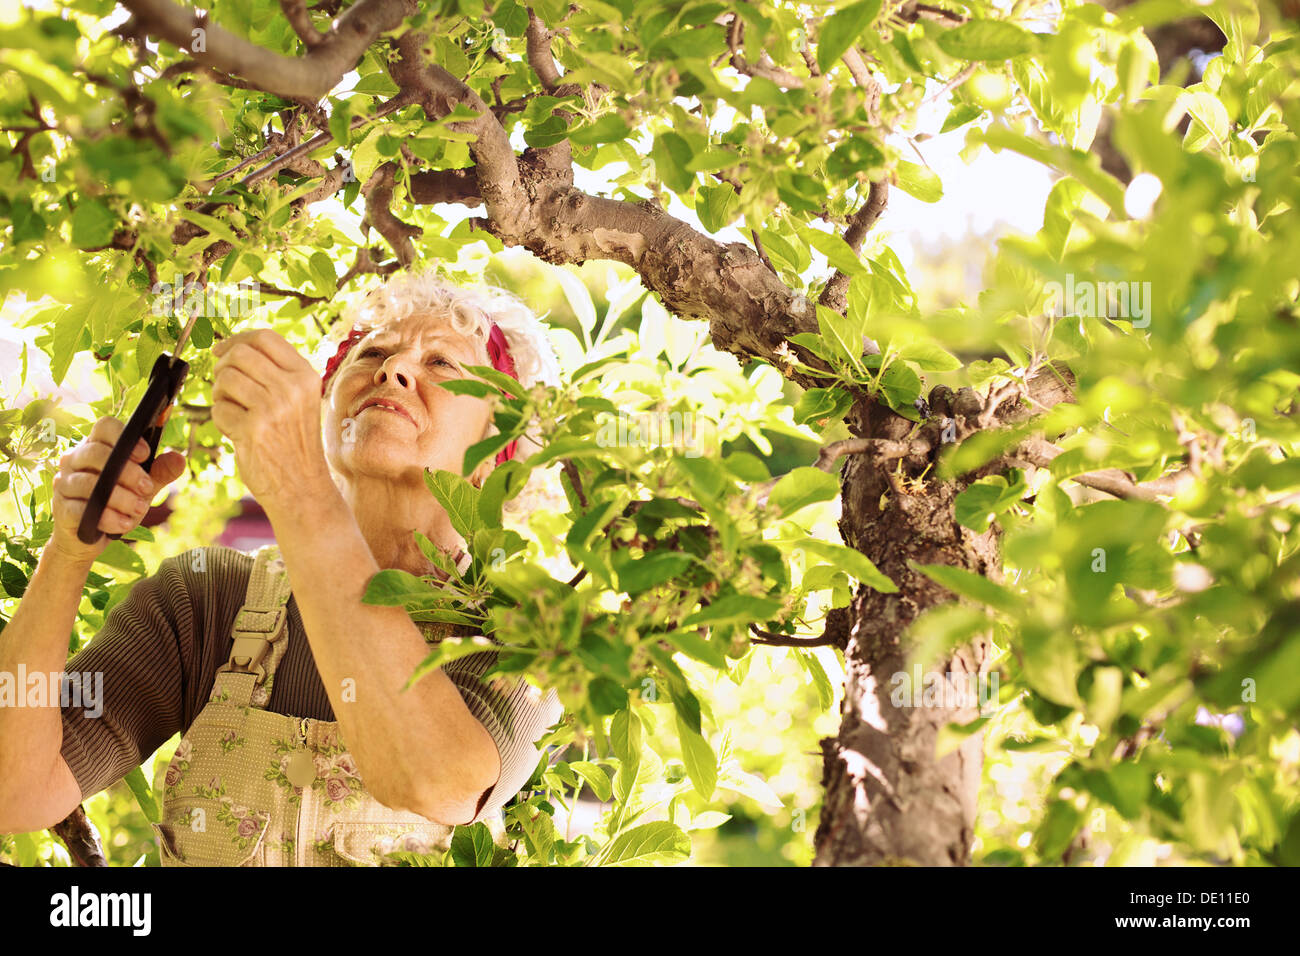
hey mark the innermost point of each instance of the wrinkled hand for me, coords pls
(78, 472)
(266, 400)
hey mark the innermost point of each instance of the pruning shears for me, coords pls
(147, 421)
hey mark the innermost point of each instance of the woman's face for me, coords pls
(386, 416)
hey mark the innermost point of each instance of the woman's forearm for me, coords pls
(421, 749)
(35, 642)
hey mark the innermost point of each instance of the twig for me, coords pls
(762, 253)
(1040, 453)
(571, 470)
(786, 640)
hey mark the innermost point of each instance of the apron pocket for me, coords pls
(366, 844)
(199, 832)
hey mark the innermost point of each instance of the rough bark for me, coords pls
(80, 838)
(890, 800)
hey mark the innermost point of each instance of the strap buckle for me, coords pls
(254, 632)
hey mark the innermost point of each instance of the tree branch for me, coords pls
(1040, 453)
(295, 11)
(835, 294)
(785, 640)
(378, 190)
(306, 78)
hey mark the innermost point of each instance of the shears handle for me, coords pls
(147, 421)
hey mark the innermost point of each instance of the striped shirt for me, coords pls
(159, 651)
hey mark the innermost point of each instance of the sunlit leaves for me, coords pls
(987, 40)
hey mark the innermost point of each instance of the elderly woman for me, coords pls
(300, 746)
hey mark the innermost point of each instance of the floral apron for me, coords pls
(247, 787)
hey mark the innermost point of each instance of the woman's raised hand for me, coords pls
(79, 470)
(266, 400)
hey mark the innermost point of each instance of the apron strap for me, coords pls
(260, 634)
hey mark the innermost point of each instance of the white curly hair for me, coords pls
(471, 312)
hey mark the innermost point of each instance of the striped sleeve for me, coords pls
(137, 662)
(514, 712)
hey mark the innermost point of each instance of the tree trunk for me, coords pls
(888, 799)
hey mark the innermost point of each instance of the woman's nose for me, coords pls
(398, 370)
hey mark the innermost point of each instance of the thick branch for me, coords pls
(446, 185)
(306, 78)
(438, 92)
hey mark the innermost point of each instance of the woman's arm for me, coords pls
(420, 750)
(37, 789)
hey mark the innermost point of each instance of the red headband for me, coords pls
(498, 351)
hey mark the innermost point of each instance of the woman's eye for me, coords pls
(373, 350)
(439, 360)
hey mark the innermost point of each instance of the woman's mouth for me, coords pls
(391, 407)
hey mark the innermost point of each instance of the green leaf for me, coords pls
(1050, 657)
(987, 40)
(920, 181)
(701, 762)
(13, 579)
(717, 206)
(503, 484)
(901, 387)
(595, 776)
(451, 649)
(816, 404)
(481, 450)
(651, 844)
(971, 585)
(671, 155)
(802, 487)
(119, 555)
(739, 781)
(842, 29)
(215, 226)
(610, 128)
(851, 560)
(625, 738)
(607, 696)
(472, 845)
(93, 224)
(1057, 829)
(959, 116)
(691, 644)
(929, 357)
(640, 574)
(734, 609)
(393, 587)
(458, 497)
(813, 666)
(979, 504)
(836, 250)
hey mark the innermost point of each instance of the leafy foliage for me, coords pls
(1147, 645)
